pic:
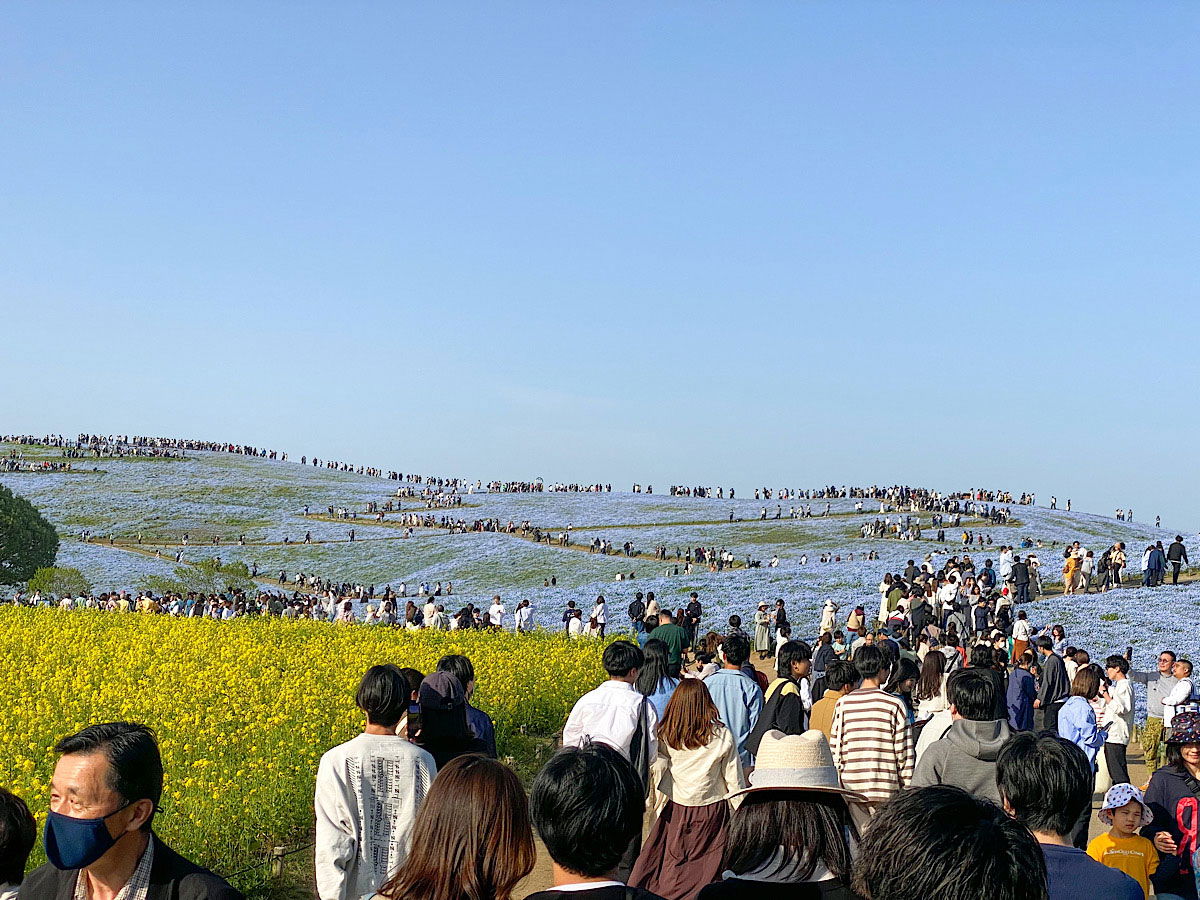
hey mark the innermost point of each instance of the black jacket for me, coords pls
(1177, 552)
(171, 878)
(1020, 573)
(1173, 798)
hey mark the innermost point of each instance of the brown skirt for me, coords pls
(1019, 647)
(683, 852)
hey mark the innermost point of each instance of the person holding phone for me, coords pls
(1077, 724)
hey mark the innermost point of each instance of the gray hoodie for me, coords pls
(965, 758)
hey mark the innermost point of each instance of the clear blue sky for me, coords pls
(768, 243)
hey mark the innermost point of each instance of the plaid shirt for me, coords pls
(136, 888)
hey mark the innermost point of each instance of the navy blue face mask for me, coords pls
(77, 843)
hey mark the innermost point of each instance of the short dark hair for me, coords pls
(587, 805)
(812, 828)
(135, 765)
(1117, 662)
(870, 661)
(737, 649)
(955, 846)
(18, 834)
(973, 694)
(1045, 642)
(458, 666)
(384, 695)
(839, 673)
(1046, 781)
(981, 656)
(621, 658)
(791, 652)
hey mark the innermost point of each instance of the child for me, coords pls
(1122, 848)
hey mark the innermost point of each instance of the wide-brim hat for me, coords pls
(1185, 728)
(1118, 795)
(796, 762)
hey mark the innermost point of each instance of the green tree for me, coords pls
(27, 541)
(204, 577)
(60, 582)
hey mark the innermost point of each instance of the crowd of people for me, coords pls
(882, 771)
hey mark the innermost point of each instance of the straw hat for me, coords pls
(796, 762)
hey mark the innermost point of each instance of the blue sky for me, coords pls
(770, 243)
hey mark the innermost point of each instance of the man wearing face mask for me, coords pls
(103, 798)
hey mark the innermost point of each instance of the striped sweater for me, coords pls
(872, 744)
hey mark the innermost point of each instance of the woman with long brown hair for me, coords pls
(472, 839)
(697, 766)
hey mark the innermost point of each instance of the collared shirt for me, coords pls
(136, 888)
(609, 714)
(739, 700)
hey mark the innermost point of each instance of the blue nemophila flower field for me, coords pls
(211, 494)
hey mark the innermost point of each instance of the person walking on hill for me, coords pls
(1177, 557)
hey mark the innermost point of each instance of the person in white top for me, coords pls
(615, 713)
(523, 616)
(428, 612)
(1117, 717)
(1181, 694)
(575, 624)
(599, 616)
(368, 792)
(496, 613)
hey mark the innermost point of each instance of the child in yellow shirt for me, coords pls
(1122, 848)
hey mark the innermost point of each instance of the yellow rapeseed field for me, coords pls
(244, 709)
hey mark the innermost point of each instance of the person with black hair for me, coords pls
(587, 804)
(840, 679)
(783, 704)
(615, 713)
(18, 834)
(965, 756)
(481, 723)
(103, 798)
(1046, 784)
(1173, 799)
(872, 743)
(984, 662)
(1022, 690)
(736, 694)
(1053, 688)
(955, 846)
(445, 732)
(654, 680)
(368, 793)
(793, 835)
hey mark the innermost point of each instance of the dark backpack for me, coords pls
(637, 610)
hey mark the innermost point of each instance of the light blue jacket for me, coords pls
(739, 700)
(1077, 723)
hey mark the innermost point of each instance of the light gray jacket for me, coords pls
(965, 758)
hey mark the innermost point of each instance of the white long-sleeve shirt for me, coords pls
(609, 715)
(1118, 712)
(1180, 694)
(368, 792)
